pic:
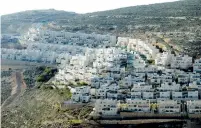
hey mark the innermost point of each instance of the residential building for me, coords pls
(163, 59)
(181, 62)
(106, 107)
(137, 105)
(194, 107)
(168, 106)
(197, 66)
(81, 94)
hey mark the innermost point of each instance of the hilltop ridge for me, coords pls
(178, 22)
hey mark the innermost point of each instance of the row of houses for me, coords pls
(28, 55)
(76, 39)
(109, 107)
(136, 92)
(161, 59)
(45, 53)
(144, 47)
(178, 61)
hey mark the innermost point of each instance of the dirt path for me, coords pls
(18, 86)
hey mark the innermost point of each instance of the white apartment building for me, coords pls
(168, 106)
(151, 69)
(137, 105)
(183, 78)
(138, 45)
(147, 95)
(111, 94)
(138, 62)
(122, 41)
(163, 59)
(140, 70)
(127, 81)
(194, 106)
(110, 87)
(195, 77)
(166, 77)
(197, 66)
(80, 60)
(95, 83)
(81, 94)
(176, 95)
(106, 107)
(190, 95)
(154, 78)
(181, 62)
(193, 86)
(141, 87)
(136, 95)
(163, 95)
(101, 93)
(67, 38)
(169, 87)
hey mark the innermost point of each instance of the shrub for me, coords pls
(40, 78)
(47, 87)
(41, 68)
(46, 74)
(65, 92)
(47, 70)
(76, 80)
(76, 121)
(82, 83)
(151, 61)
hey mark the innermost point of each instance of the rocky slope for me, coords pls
(175, 23)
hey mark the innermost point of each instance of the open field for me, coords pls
(14, 64)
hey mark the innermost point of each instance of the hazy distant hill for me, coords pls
(177, 23)
(19, 22)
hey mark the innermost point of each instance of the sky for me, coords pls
(78, 6)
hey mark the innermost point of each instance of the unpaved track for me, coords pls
(18, 86)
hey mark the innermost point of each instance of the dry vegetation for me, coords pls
(6, 84)
(36, 108)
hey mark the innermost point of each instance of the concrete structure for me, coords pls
(197, 66)
(137, 105)
(81, 94)
(106, 107)
(168, 106)
(194, 107)
(163, 59)
(181, 62)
